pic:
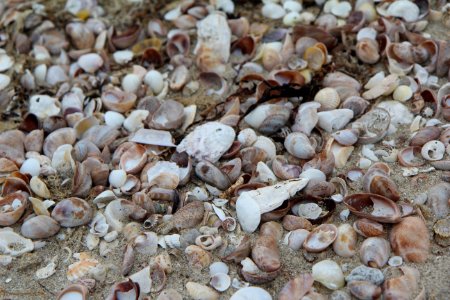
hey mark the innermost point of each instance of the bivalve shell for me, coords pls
(320, 238)
(39, 227)
(345, 243)
(410, 239)
(72, 212)
(14, 244)
(329, 274)
(375, 252)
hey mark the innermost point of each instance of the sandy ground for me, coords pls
(18, 281)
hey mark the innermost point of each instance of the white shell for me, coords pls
(44, 106)
(13, 244)
(266, 144)
(407, 10)
(218, 267)
(328, 98)
(91, 241)
(341, 9)
(345, 243)
(131, 83)
(146, 243)
(251, 292)
(152, 137)
(164, 174)
(257, 116)
(395, 261)
(220, 281)
(307, 210)
(90, 62)
(144, 280)
(172, 240)
(328, 273)
(374, 80)
(291, 18)
(5, 80)
(273, 11)
(298, 145)
(265, 174)
(40, 72)
(208, 141)
(433, 150)
(135, 120)
(39, 188)
(250, 205)
(117, 178)
(336, 119)
(400, 114)
(295, 239)
(313, 174)
(402, 93)
(6, 62)
(122, 57)
(291, 5)
(98, 225)
(247, 137)
(46, 271)
(155, 81)
(62, 160)
(366, 33)
(31, 166)
(306, 118)
(114, 119)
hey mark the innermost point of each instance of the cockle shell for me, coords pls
(250, 205)
(328, 98)
(410, 239)
(208, 141)
(72, 212)
(329, 274)
(14, 244)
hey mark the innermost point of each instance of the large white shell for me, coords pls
(13, 244)
(336, 119)
(201, 292)
(220, 281)
(265, 199)
(252, 292)
(273, 11)
(328, 273)
(404, 9)
(90, 62)
(208, 141)
(5, 80)
(400, 114)
(164, 174)
(152, 137)
(144, 280)
(44, 106)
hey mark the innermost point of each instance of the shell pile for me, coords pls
(188, 136)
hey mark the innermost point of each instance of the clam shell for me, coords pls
(402, 287)
(328, 98)
(72, 212)
(251, 292)
(266, 254)
(410, 239)
(208, 141)
(383, 209)
(298, 145)
(39, 227)
(329, 274)
(12, 208)
(368, 228)
(364, 289)
(197, 257)
(335, 119)
(297, 287)
(345, 243)
(74, 291)
(220, 281)
(268, 118)
(375, 252)
(320, 238)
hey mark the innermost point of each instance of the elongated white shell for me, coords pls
(208, 141)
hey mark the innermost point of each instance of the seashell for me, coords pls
(345, 243)
(367, 50)
(82, 267)
(201, 292)
(346, 137)
(164, 174)
(298, 145)
(406, 10)
(329, 274)
(99, 226)
(385, 87)
(117, 178)
(5, 80)
(364, 289)
(189, 216)
(433, 150)
(441, 232)
(296, 238)
(291, 222)
(315, 56)
(123, 57)
(212, 175)
(197, 257)
(250, 205)
(377, 181)
(11, 146)
(169, 115)
(339, 154)
(382, 209)
(152, 137)
(126, 289)
(320, 238)
(39, 227)
(408, 157)
(297, 287)
(266, 254)
(90, 62)
(355, 103)
(34, 140)
(333, 120)
(375, 252)
(12, 207)
(126, 38)
(14, 244)
(268, 118)
(58, 138)
(218, 267)
(374, 125)
(395, 261)
(402, 93)
(169, 294)
(146, 243)
(368, 228)
(251, 292)
(250, 157)
(410, 239)
(213, 43)
(13, 184)
(117, 100)
(402, 287)
(133, 159)
(74, 291)
(119, 210)
(283, 170)
(143, 279)
(425, 135)
(72, 212)
(155, 81)
(273, 11)
(198, 143)
(306, 118)
(30, 166)
(43, 106)
(247, 137)
(220, 281)
(363, 273)
(208, 242)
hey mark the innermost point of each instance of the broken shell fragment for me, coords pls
(382, 209)
(14, 244)
(12, 207)
(375, 252)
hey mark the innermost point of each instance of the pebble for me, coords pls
(363, 273)
(395, 261)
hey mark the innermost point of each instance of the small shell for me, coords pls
(146, 243)
(12, 207)
(328, 98)
(208, 242)
(367, 51)
(410, 239)
(296, 238)
(82, 267)
(218, 267)
(273, 11)
(402, 93)
(368, 228)
(197, 257)
(345, 243)
(335, 119)
(44, 106)
(364, 289)
(72, 212)
(346, 137)
(268, 118)
(297, 287)
(90, 62)
(298, 145)
(220, 281)
(201, 292)
(133, 159)
(250, 293)
(329, 274)
(39, 227)
(433, 150)
(425, 135)
(320, 238)
(442, 232)
(74, 291)
(375, 252)
(382, 209)
(117, 100)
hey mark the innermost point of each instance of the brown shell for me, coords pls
(359, 203)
